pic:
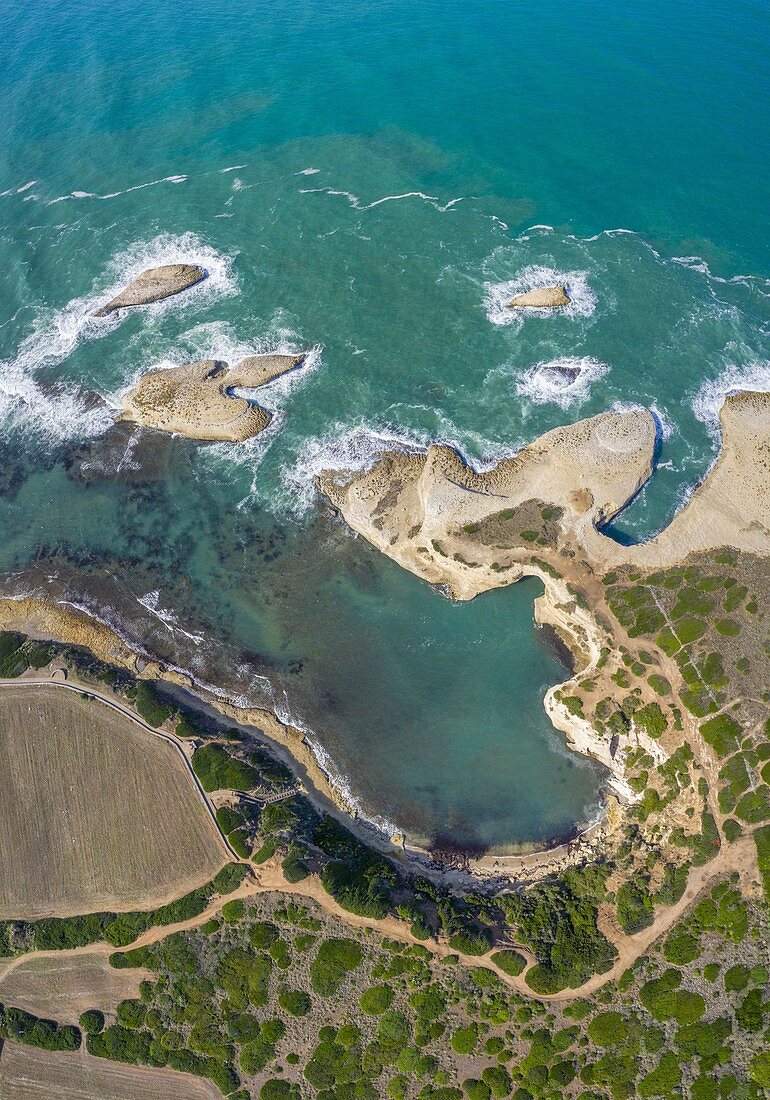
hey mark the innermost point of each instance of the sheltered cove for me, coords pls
(441, 520)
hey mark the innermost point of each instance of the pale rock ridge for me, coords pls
(547, 297)
(730, 507)
(196, 399)
(154, 285)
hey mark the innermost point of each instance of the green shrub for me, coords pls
(276, 1089)
(754, 806)
(217, 770)
(92, 1021)
(233, 910)
(336, 958)
(476, 1090)
(608, 1029)
(24, 1027)
(664, 1079)
(722, 733)
(464, 1039)
(476, 942)
(295, 1001)
(150, 704)
(263, 934)
(635, 906)
(294, 868)
(376, 1000)
(681, 948)
(499, 1080)
(651, 720)
(759, 1068)
(429, 1003)
(762, 842)
(510, 962)
(229, 878)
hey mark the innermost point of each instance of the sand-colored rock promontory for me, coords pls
(473, 531)
(730, 507)
(547, 297)
(154, 285)
(445, 522)
(197, 400)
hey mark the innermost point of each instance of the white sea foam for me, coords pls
(710, 397)
(341, 784)
(582, 300)
(151, 602)
(666, 426)
(64, 411)
(346, 449)
(357, 204)
(343, 449)
(309, 172)
(565, 381)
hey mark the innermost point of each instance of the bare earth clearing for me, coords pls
(30, 1074)
(97, 814)
(65, 985)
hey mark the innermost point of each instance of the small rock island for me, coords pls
(154, 285)
(197, 400)
(547, 297)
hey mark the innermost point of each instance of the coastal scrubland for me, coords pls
(97, 813)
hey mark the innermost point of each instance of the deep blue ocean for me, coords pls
(369, 181)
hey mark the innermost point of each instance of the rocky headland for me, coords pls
(154, 285)
(197, 400)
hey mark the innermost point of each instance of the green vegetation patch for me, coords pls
(336, 958)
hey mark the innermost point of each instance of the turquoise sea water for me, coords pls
(370, 181)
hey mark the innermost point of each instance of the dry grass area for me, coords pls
(96, 814)
(30, 1074)
(60, 986)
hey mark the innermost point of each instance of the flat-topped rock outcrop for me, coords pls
(447, 523)
(154, 285)
(197, 400)
(547, 297)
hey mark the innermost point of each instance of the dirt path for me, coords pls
(269, 879)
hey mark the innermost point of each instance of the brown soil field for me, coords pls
(96, 814)
(30, 1074)
(61, 986)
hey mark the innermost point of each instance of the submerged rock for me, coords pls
(547, 297)
(154, 285)
(197, 399)
(559, 375)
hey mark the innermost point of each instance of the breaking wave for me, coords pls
(710, 397)
(565, 381)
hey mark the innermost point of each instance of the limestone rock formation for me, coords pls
(197, 400)
(451, 525)
(154, 285)
(547, 297)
